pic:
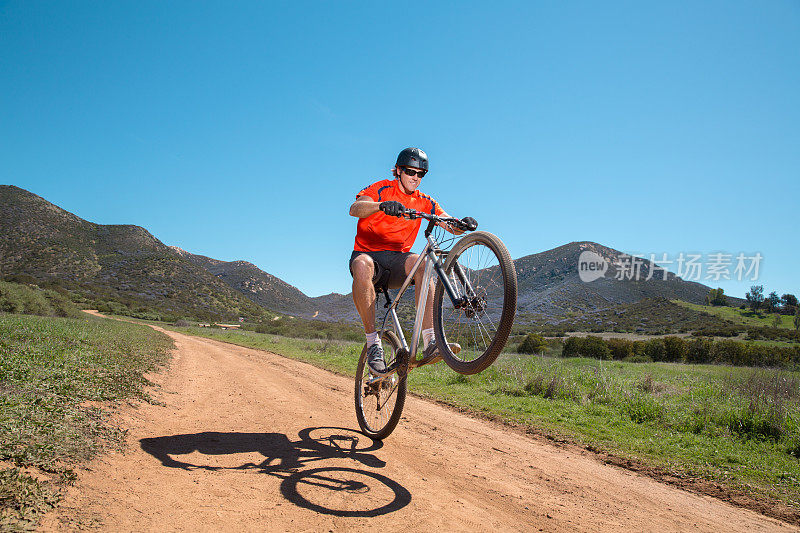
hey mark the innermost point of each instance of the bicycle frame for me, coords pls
(433, 253)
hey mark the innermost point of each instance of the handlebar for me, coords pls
(411, 214)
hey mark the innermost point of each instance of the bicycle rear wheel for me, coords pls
(482, 275)
(379, 402)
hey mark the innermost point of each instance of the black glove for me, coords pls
(392, 208)
(469, 223)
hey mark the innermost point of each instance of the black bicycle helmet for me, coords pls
(413, 157)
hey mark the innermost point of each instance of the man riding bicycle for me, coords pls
(383, 242)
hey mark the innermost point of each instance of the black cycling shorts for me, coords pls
(389, 265)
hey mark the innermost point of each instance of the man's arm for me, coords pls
(364, 206)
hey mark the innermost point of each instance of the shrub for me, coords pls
(656, 350)
(699, 351)
(595, 347)
(773, 334)
(572, 347)
(726, 351)
(590, 346)
(675, 349)
(620, 348)
(31, 300)
(532, 344)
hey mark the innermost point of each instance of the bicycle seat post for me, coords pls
(388, 300)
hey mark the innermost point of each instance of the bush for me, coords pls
(595, 347)
(552, 385)
(655, 350)
(756, 422)
(621, 348)
(571, 347)
(675, 349)
(728, 352)
(699, 351)
(773, 334)
(532, 344)
(590, 346)
(31, 300)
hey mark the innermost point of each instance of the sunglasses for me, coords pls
(412, 173)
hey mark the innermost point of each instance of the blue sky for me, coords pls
(243, 131)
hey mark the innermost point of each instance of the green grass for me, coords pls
(733, 425)
(740, 316)
(49, 369)
(31, 300)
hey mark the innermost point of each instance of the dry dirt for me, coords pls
(247, 440)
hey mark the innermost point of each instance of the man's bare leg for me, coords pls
(364, 291)
(364, 297)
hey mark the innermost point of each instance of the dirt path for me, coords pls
(252, 441)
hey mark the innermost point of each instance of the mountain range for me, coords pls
(125, 263)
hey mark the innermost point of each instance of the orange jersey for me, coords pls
(380, 232)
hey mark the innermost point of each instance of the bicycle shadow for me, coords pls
(284, 459)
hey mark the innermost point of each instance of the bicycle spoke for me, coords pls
(475, 323)
(377, 400)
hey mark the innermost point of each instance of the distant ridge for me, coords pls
(128, 264)
(270, 291)
(550, 285)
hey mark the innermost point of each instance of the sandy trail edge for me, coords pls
(249, 440)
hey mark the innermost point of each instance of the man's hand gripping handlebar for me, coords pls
(465, 224)
(392, 208)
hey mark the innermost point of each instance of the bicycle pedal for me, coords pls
(374, 381)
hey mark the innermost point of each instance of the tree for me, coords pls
(771, 302)
(797, 319)
(776, 320)
(755, 297)
(788, 304)
(716, 297)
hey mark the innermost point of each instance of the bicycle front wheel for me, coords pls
(482, 276)
(379, 402)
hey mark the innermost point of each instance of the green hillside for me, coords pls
(114, 267)
(32, 300)
(741, 316)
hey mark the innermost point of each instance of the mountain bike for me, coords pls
(474, 303)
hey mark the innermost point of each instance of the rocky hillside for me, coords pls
(550, 284)
(119, 263)
(272, 292)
